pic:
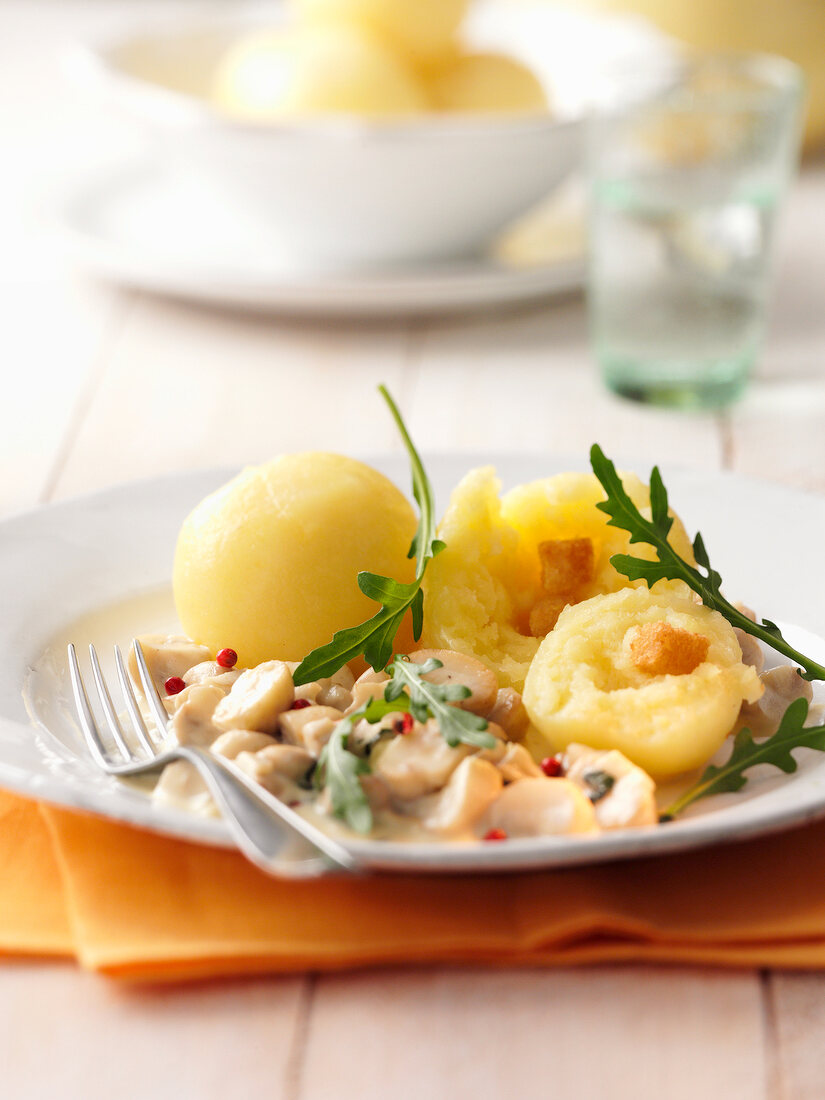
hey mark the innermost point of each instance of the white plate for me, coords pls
(97, 569)
(144, 226)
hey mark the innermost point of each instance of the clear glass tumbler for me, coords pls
(687, 166)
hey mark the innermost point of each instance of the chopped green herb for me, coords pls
(599, 784)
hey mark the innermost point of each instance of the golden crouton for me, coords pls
(543, 615)
(661, 649)
(566, 564)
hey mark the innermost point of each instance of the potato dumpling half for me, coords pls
(270, 75)
(479, 592)
(586, 686)
(268, 563)
(424, 30)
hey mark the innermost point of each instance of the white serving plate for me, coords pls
(148, 227)
(98, 568)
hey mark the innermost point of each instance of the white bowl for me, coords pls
(334, 191)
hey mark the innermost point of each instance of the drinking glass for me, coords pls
(687, 167)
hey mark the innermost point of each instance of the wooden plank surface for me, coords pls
(70, 1035)
(103, 386)
(625, 1032)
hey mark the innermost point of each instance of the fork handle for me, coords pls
(252, 814)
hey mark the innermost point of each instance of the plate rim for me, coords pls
(437, 288)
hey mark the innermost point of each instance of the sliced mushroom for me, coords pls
(508, 711)
(233, 742)
(377, 792)
(416, 763)
(278, 768)
(180, 785)
(541, 807)
(210, 672)
(513, 761)
(330, 691)
(365, 736)
(317, 733)
(752, 653)
(372, 676)
(304, 727)
(626, 798)
(470, 790)
(257, 699)
(193, 722)
(167, 655)
(362, 693)
(458, 668)
(783, 685)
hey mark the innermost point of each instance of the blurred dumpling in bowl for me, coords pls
(423, 30)
(486, 82)
(276, 74)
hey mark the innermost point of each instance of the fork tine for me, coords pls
(84, 711)
(150, 691)
(108, 707)
(132, 704)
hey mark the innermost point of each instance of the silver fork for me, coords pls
(260, 824)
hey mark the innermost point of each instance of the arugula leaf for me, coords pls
(624, 514)
(429, 700)
(424, 545)
(746, 753)
(374, 638)
(339, 769)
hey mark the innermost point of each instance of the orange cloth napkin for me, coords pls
(135, 905)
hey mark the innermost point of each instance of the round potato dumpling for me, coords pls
(486, 82)
(270, 75)
(268, 563)
(421, 29)
(483, 591)
(655, 675)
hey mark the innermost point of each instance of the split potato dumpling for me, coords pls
(586, 684)
(422, 29)
(481, 590)
(486, 82)
(268, 75)
(268, 563)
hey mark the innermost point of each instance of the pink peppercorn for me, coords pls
(551, 766)
(227, 658)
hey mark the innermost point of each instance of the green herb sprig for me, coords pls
(746, 753)
(624, 514)
(426, 699)
(374, 638)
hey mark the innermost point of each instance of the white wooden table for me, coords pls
(103, 385)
